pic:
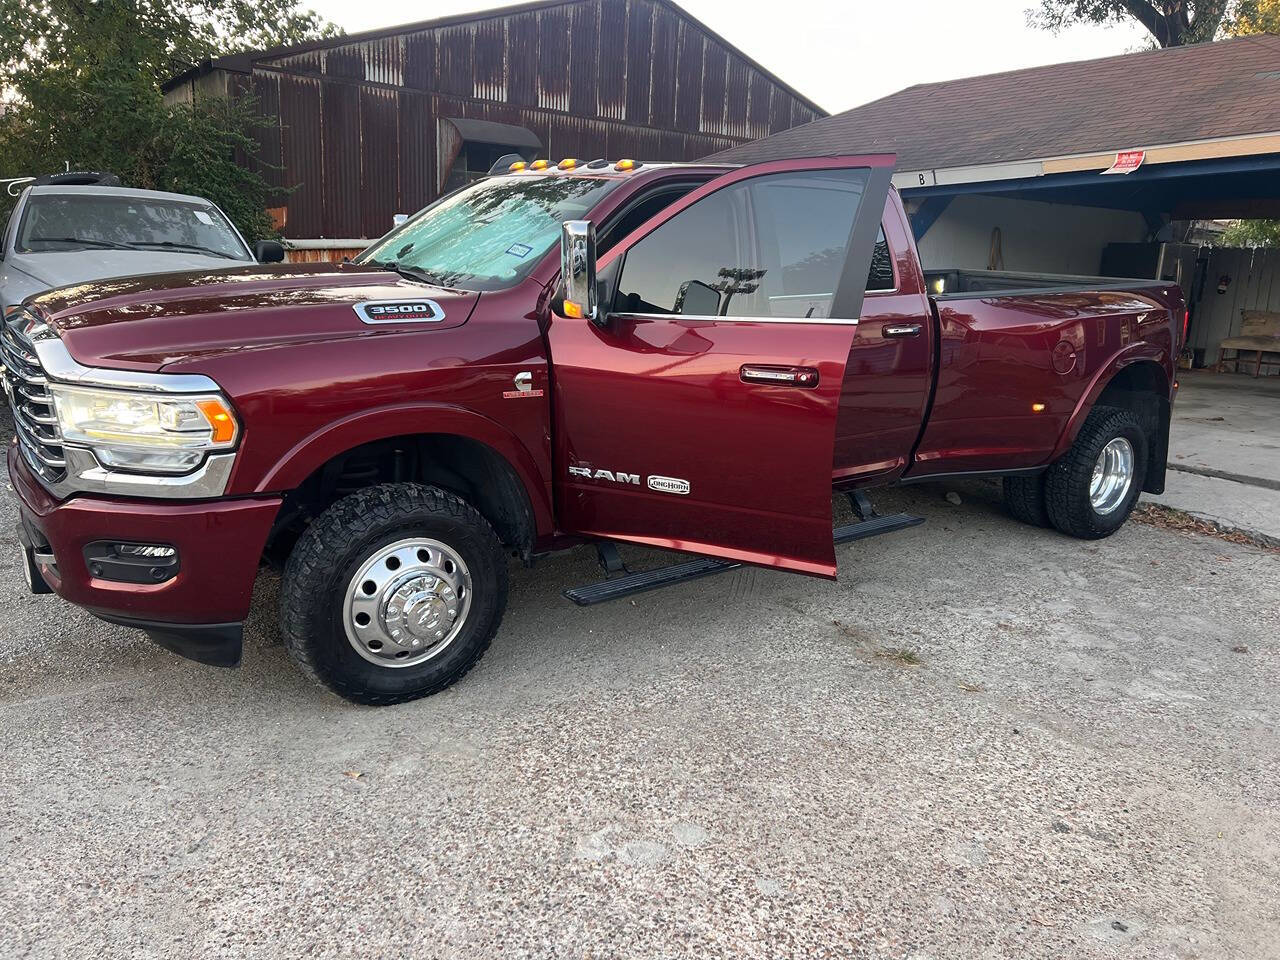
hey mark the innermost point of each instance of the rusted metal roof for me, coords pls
(360, 116)
(382, 49)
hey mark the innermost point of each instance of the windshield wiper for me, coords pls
(174, 245)
(82, 241)
(411, 273)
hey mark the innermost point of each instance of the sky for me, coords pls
(840, 53)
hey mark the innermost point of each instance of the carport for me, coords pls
(1093, 167)
(1224, 286)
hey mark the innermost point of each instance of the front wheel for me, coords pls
(1092, 490)
(393, 593)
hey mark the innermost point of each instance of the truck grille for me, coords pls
(28, 393)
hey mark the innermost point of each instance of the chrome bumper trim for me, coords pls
(86, 475)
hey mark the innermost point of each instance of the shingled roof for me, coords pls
(1230, 88)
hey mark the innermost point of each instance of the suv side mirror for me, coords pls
(578, 270)
(268, 251)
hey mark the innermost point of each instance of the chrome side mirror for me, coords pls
(578, 269)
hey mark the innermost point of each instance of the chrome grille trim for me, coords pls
(29, 399)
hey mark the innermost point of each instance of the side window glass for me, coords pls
(772, 246)
(642, 211)
(880, 277)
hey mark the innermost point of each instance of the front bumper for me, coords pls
(199, 612)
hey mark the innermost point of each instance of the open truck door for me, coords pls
(697, 372)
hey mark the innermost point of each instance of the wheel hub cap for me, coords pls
(1112, 476)
(407, 602)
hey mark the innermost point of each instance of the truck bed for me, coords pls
(953, 283)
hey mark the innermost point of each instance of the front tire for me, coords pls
(393, 593)
(1091, 491)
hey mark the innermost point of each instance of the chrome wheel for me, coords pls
(407, 602)
(1112, 476)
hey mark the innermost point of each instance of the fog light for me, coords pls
(145, 550)
(127, 562)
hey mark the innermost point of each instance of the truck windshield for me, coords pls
(92, 221)
(488, 236)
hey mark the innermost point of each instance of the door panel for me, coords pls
(660, 439)
(890, 369)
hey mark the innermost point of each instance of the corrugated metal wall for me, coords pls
(1254, 285)
(357, 132)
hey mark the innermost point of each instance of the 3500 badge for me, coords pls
(399, 311)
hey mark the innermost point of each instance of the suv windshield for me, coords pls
(83, 221)
(488, 236)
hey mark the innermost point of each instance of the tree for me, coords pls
(1173, 23)
(82, 80)
(1252, 233)
(1262, 16)
(1257, 16)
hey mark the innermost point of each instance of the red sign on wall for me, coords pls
(1127, 161)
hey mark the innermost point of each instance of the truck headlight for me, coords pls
(145, 432)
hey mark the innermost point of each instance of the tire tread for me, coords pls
(1024, 499)
(308, 571)
(1068, 475)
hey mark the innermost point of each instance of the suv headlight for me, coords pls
(145, 432)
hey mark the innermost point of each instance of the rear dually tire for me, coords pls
(1024, 499)
(1091, 491)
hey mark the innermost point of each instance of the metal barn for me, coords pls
(380, 123)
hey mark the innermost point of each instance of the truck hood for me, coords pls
(145, 323)
(58, 268)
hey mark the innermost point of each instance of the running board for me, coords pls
(633, 583)
(875, 526)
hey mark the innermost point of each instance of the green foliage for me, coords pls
(82, 84)
(1172, 23)
(1252, 233)
(1256, 16)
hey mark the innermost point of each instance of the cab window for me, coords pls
(880, 276)
(769, 247)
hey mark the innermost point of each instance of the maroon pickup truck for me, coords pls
(684, 356)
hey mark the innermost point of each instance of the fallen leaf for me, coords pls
(353, 774)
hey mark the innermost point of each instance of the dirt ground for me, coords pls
(985, 740)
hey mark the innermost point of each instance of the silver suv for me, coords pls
(66, 234)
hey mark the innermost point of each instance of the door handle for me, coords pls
(806, 377)
(901, 329)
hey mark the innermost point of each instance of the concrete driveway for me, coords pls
(1224, 454)
(985, 740)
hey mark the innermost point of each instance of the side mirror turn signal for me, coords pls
(578, 270)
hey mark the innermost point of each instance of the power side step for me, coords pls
(872, 524)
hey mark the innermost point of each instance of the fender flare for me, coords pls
(382, 423)
(1135, 353)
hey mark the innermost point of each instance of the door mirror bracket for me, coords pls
(578, 271)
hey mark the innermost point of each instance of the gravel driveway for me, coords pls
(985, 740)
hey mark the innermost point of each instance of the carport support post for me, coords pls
(927, 214)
